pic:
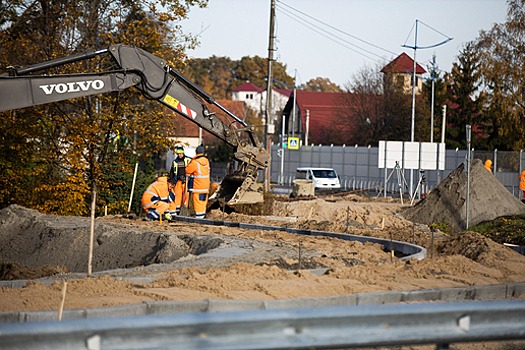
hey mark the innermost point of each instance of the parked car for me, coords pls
(323, 178)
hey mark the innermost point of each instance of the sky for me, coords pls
(336, 39)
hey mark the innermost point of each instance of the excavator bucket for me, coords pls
(236, 189)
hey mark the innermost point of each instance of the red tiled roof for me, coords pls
(284, 92)
(403, 64)
(324, 112)
(332, 115)
(248, 87)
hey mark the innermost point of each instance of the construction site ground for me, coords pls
(182, 261)
(192, 261)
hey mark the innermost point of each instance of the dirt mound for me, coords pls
(446, 204)
(242, 264)
(468, 244)
(31, 239)
(486, 252)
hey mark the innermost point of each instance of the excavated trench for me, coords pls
(32, 240)
(34, 245)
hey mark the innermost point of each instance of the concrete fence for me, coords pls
(358, 167)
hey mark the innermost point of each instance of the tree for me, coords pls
(465, 100)
(72, 148)
(440, 97)
(321, 85)
(501, 60)
(220, 75)
(215, 75)
(377, 111)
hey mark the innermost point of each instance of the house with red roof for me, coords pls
(400, 72)
(255, 98)
(334, 118)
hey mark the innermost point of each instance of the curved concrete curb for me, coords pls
(407, 250)
(474, 293)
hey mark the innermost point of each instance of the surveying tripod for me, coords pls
(420, 183)
(400, 180)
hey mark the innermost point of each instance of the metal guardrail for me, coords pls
(301, 328)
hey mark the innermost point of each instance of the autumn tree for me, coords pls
(220, 75)
(72, 148)
(215, 75)
(321, 85)
(501, 60)
(376, 111)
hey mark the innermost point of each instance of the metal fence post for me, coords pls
(495, 161)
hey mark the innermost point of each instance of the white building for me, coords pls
(255, 98)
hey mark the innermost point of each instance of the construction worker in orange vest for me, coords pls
(488, 165)
(198, 173)
(159, 199)
(522, 185)
(178, 177)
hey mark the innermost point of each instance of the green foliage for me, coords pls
(501, 60)
(465, 99)
(441, 227)
(505, 229)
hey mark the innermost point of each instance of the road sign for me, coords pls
(293, 143)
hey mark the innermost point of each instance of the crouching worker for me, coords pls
(159, 199)
(198, 173)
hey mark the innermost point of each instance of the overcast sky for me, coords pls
(336, 38)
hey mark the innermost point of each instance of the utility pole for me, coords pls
(414, 78)
(468, 132)
(269, 126)
(433, 77)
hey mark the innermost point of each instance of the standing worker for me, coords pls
(178, 177)
(522, 185)
(198, 173)
(159, 200)
(488, 165)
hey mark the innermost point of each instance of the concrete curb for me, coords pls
(458, 294)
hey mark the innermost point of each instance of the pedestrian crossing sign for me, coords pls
(293, 143)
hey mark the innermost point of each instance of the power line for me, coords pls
(340, 41)
(336, 29)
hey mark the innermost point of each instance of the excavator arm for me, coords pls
(157, 81)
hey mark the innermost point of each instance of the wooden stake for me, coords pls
(92, 229)
(61, 308)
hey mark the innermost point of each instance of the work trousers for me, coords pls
(200, 200)
(157, 209)
(181, 197)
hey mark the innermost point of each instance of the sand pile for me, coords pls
(446, 204)
(29, 238)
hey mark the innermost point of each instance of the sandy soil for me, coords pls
(236, 263)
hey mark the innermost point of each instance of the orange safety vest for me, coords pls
(522, 180)
(199, 170)
(157, 192)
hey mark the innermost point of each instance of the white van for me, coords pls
(323, 178)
